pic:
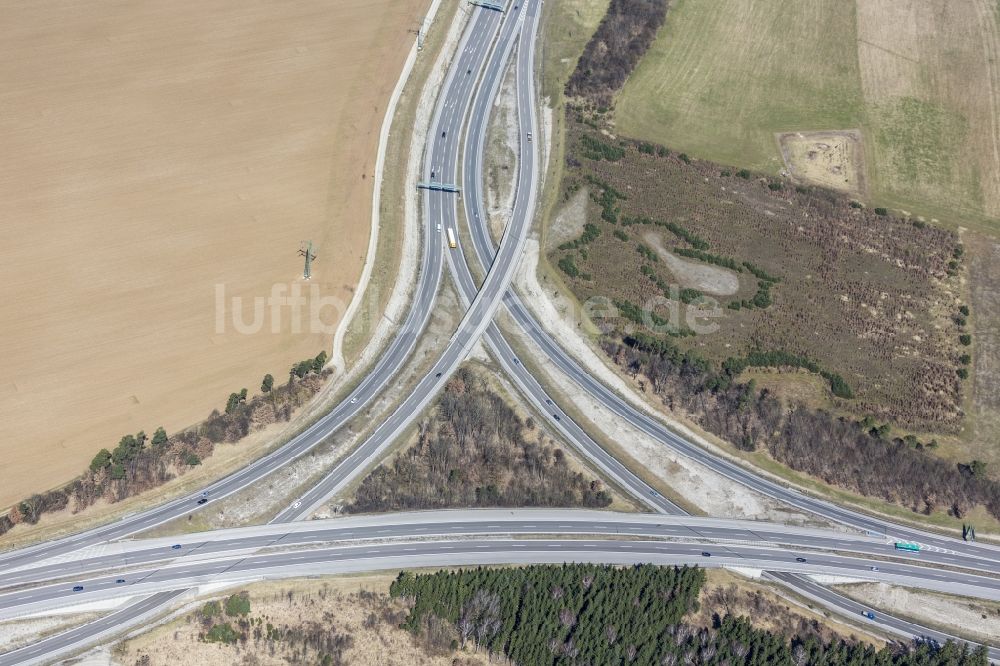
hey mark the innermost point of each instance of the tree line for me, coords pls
(597, 614)
(623, 36)
(139, 462)
(476, 451)
(850, 454)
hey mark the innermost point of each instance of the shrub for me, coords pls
(881, 211)
(774, 187)
(855, 204)
(725, 262)
(649, 254)
(963, 373)
(211, 609)
(965, 339)
(744, 174)
(621, 235)
(222, 633)
(684, 158)
(596, 150)
(568, 267)
(964, 359)
(238, 604)
(964, 310)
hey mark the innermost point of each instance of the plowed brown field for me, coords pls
(155, 150)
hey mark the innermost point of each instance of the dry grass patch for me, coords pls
(931, 81)
(357, 611)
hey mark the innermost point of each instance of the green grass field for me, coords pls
(918, 79)
(722, 78)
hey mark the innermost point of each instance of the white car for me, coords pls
(353, 400)
(439, 228)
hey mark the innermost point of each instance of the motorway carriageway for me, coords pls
(471, 522)
(241, 567)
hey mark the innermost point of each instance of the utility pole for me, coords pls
(306, 251)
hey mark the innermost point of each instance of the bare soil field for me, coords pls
(153, 152)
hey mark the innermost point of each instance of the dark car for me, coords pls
(438, 374)
(800, 559)
(468, 71)
(119, 581)
(176, 546)
(556, 417)
(705, 553)
(203, 500)
(78, 588)
(432, 174)
(868, 614)
(443, 134)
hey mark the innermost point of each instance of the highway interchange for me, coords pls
(470, 87)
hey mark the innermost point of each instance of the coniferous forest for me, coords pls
(593, 614)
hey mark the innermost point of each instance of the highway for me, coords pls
(479, 65)
(473, 50)
(409, 553)
(122, 555)
(480, 312)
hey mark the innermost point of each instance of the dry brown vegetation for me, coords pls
(152, 151)
(476, 451)
(855, 455)
(726, 594)
(337, 621)
(624, 34)
(872, 297)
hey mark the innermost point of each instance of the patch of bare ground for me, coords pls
(568, 222)
(833, 159)
(158, 152)
(501, 160)
(18, 633)
(353, 619)
(694, 274)
(769, 608)
(974, 619)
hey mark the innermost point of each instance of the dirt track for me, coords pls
(151, 152)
